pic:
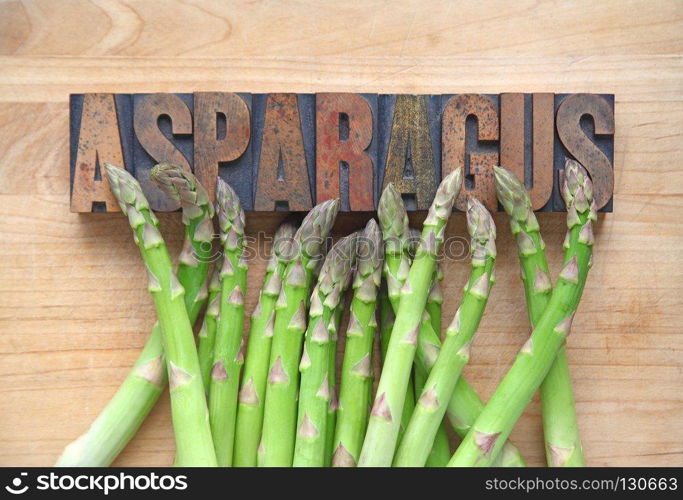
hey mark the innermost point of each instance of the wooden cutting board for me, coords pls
(74, 310)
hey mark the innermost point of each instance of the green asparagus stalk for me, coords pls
(120, 419)
(194, 446)
(386, 319)
(314, 394)
(207, 333)
(464, 408)
(440, 451)
(402, 241)
(253, 389)
(382, 435)
(560, 427)
(399, 246)
(435, 301)
(276, 448)
(228, 353)
(465, 404)
(455, 351)
(333, 407)
(485, 438)
(356, 377)
(182, 186)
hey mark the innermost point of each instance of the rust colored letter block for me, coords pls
(158, 141)
(344, 130)
(286, 152)
(283, 177)
(97, 139)
(460, 137)
(527, 137)
(592, 148)
(409, 141)
(222, 130)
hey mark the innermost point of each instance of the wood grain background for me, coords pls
(74, 310)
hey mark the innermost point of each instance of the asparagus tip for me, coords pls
(450, 185)
(392, 215)
(316, 226)
(369, 248)
(442, 206)
(512, 193)
(480, 224)
(338, 264)
(127, 190)
(482, 230)
(282, 241)
(230, 213)
(182, 186)
(113, 171)
(577, 188)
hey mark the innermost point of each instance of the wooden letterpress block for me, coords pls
(345, 149)
(585, 132)
(222, 131)
(101, 131)
(527, 136)
(469, 140)
(163, 133)
(409, 130)
(280, 123)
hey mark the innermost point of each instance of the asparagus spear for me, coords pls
(440, 450)
(279, 418)
(380, 441)
(333, 407)
(431, 407)
(182, 186)
(228, 355)
(207, 332)
(430, 328)
(194, 446)
(386, 319)
(120, 419)
(399, 246)
(356, 376)
(253, 389)
(484, 440)
(435, 300)
(402, 242)
(314, 394)
(560, 428)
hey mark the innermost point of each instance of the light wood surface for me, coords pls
(74, 310)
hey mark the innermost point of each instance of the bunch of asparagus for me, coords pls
(275, 396)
